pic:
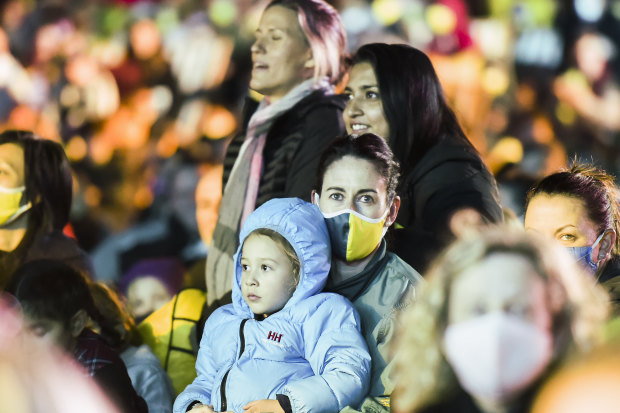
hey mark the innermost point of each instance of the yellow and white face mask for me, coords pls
(353, 235)
(11, 206)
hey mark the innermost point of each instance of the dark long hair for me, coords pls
(48, 179)
(412, 98)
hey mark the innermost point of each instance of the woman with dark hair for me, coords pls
(297, 60)
(394, 92)
(579, 208)
(35, 201)
(356, 191)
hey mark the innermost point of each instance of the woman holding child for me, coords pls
(356, 192)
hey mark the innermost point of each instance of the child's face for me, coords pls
(52, 331)
(267, 280)
(145, 295)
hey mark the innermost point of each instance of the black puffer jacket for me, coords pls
(449, 177)
(293, 146)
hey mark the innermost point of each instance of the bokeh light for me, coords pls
(76, 149)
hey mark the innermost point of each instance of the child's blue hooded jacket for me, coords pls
(311, 350)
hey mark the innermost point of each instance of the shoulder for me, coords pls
(222, 318)
(449, 161)
(322, 306)
(317, 106)
(397, 269)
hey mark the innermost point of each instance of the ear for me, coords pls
(391, 217)
(78, 323)
(605, 246)
(309, 63)
(312, 197)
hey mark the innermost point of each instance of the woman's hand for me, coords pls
(263, 406)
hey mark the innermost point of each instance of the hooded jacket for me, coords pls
(310, 351)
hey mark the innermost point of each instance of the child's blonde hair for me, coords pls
(285, 246)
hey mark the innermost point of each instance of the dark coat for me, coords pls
(449, 177)
(293, 146)
(610, 281)
(38, 245)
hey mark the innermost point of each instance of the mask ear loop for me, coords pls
(600, 237)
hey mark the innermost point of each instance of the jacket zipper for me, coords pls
(241, 348)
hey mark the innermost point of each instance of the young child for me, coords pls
(58, 305)
(281, 346)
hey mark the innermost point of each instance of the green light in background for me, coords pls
(223, 12)
(387, 12)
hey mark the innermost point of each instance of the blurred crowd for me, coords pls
(145, 97)
(135, 88)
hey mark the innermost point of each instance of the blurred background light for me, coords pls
(590, 10)
(222, 12)
(441, 19)
(76, 149)
(387, 12)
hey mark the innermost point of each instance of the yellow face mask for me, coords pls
(11, 206)
(353, 235)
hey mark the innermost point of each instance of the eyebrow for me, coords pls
(270, 29)
(261, 258)
(363, 87)
(336, 188)
(564, 227)
(361, 191)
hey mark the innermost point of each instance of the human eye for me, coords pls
(347, 94)
(244, 267)
(366, 199)
(38, 330)
(336, 196)
(567, 237)
(265, 267)
(519, 309)
(371, 94)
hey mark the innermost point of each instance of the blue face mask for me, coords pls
(583, 255)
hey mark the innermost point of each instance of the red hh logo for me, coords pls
(273, 336)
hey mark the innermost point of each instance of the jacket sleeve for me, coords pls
(200, 388)
(157, 391)
(337, 352)
(322, 126)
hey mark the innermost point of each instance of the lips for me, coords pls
(358, 127)
(260, 66)
(253, 297)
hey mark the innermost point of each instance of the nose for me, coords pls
(250, 279)
(257, 46)
(353, 205)
(352, 108)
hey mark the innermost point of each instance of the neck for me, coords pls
(12, 234)
(346, 270)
